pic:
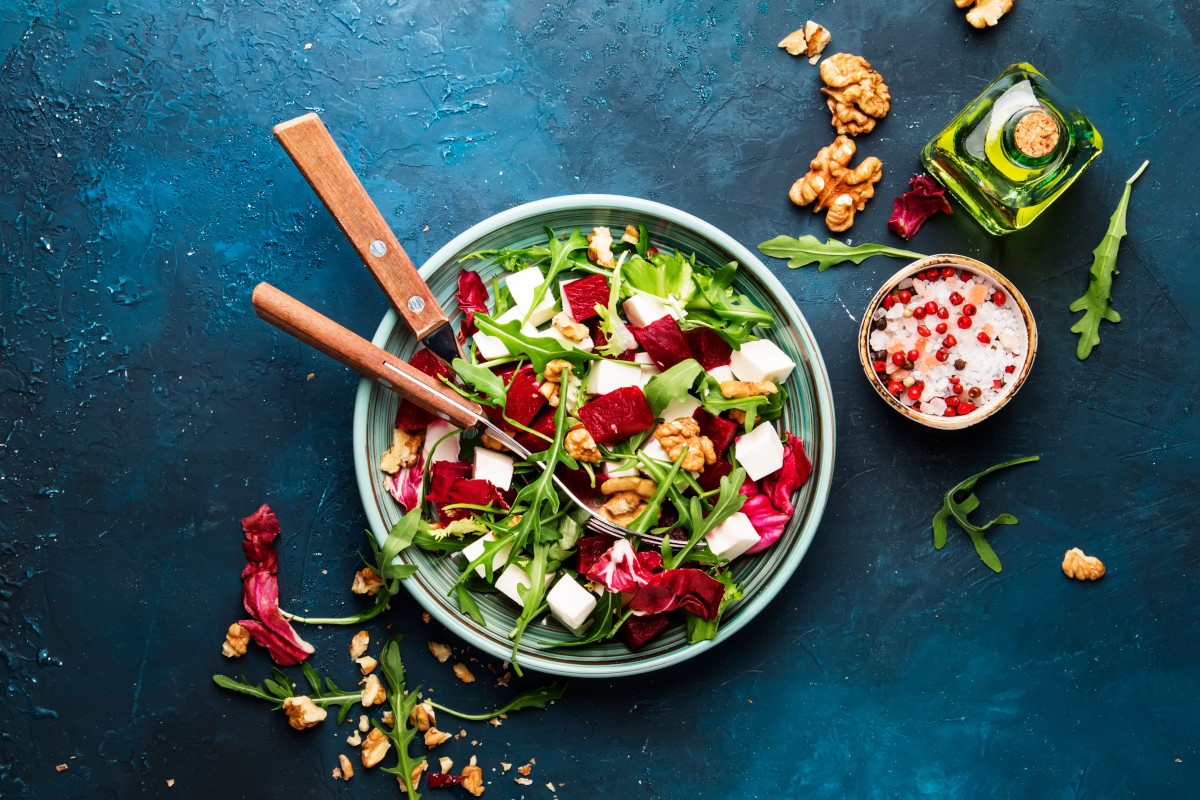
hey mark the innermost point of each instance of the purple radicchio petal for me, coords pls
(260, 591)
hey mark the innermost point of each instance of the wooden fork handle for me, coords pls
(322, 164)
(315, 329)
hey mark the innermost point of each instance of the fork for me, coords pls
(374, 363)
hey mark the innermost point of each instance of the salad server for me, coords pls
(393, 373)
(322, 164)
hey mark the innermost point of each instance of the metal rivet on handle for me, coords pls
(415, 304)
(378, 248)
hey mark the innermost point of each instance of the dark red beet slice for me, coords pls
(584, 294)
(710, 479)
(522, 401)
(543, 424)
(708, 347)
(589, 549)
(638, 630)
(663, 342)
(579, 482)
(601, 339)
(616, 416)
(409, 415)
(719, 429)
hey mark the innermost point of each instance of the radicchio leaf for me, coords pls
(472, 297)
(260, 591)
(796, 468)
(768, 521)
(406, 485)
(450, 483)
(623, 570)
(924, 199)
(690, 589)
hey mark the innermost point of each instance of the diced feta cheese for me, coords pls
(761, 360)
(608, 376)
(492, 347)
(760, 452)
(680, 408)
(732, 537)
(642, 357)
(654, 449)
(571, 604)
(512, 577)
(494, 467)
(475, 549)
(587, 345)
(545, 310)
(436, 447)
(722, 373)
(642, 309)
(609, 472)
(523, 285)
(649, 369)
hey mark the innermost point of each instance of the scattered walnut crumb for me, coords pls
(237, 639)
(505, 766)
(354, 739)
(461, 733)
(389, 719)
(523, 781)
(373, 692)
(337, 773)
(61, 767)
(308, 46)
(463, 673)
(434, 737)
(472, 778)
(358, 644)
(364, 723)
(366, 581)
(550, 786)
(494, 722)
(347, 767)
(302, 712)
(525, 770)
(422, 717)
(440, 651)
(415, 776)
(366, 664)
(808, 41)
(374, 748)
(310, 376)
(504, 679)
(425, 616)
(170, 782)
(1080, 567)
(445, 763)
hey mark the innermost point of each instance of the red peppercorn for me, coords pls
(997, 385)
(905, 296)
(948, 272)
(941, 327)
(943, 313)
(919, 312)
(895, 388)
(931, 307)
(913, 354)
(998, 298)
(983, 337)
(949, 341)
(889, 301)
(1010, 369)
(969, 310)
(966, 276)
(923, 331)
(880, 366)
(941, 355)
(898, 358)
(964, 322)
(955, 298)
(965, 408)
(652, 251)
(949, 412)
(952, 401)
(914, 392)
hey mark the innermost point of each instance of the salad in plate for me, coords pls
(645, 381)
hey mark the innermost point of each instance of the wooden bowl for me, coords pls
(983, 412)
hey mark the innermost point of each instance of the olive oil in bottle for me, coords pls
(1013, 150)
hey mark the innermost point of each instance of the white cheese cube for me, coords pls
(609, 472)
(722, 373)
(571, 604)
(493, 347)
(436, 447)
(643, 309)
(475, 549)
(512, 577)
(680, 408)
(732, 537)
(587, 345)
(761, 361)
(523, 285)
(760, 452)
(545, 310)
(608, 376)
(653, 448)
(494, 467)
(643, 358)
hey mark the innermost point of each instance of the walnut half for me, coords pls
(1080, 567)
(831, 184)
(986, 13)
(857, 95)
(685, 432)
(807, 41)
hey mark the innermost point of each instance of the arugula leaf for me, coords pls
(649, 514)
(279, 687)
(402, 703)
(399, 537)
(559, 252)
(699, 629)
(663, 275)
(1096, 301)
(539, 349)
(809, 250)
(468, 606)
(736, 314)
(953, 507)
(530, 698)
(272, 692)
(674, 384)
(486, 383)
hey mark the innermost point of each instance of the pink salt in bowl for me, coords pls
(970, 330)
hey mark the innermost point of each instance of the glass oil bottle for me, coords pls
(1013, 150)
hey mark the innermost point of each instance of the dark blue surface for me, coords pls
(144, 409)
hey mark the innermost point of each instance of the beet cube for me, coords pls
(719, 429)
(544, 423)
(579, 482)
(589, 549)
(601, 339)
(663, 342)
(584, 294)
(410, 416)
(708, 347)
(616, 416)
(522, 401)
(710, 479)
(638, 630)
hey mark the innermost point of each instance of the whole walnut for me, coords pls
(831, 184)
(857, 95)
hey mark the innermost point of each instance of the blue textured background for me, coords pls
(144, 409)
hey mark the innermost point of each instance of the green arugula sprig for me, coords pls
(808, 249)
(700, 629)
(729, 501)
(279, 687)
(961, 501)
(402, 703)
(540, 349)
(1097, 300)
(530, 698)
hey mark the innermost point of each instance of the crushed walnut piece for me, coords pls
(831, 184)
(354, 739)
(732, 389)
(685, 432)
(551, 391)
(571, 330)
(366, 581)
(434, 737)
(554, 369)
(422, 717)
(472, 778)
(523, 781)
(374, 748)
(491, 443)
(463, 673)
(808, 41)
(1081, 567)
(60, 767)
(373, 693)
(643, 487)
(580, 444)
(525, 770)
(445, 764)
(440, 651)
(366, 664)
(600, 244)
(403, 453)
(986, 13)
(623, 508)
(364, 723)
(358, 644)
(302, 712)
(632, 235)
(389, 718)
(857, 95)
(415, 776)
(237, 639)
(347, 767)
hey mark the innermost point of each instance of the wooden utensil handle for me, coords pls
(313, 328)
(322, 164)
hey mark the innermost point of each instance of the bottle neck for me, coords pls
(1032, 137)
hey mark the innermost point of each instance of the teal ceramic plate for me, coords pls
(808, 414)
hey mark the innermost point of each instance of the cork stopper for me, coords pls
(1036, 134)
